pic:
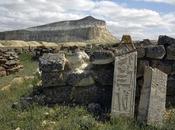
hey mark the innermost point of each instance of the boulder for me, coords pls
(155, 52)
(165, 40)
(102, 57)
(171, 52)
(52, 62)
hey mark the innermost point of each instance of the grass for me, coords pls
(38, 117)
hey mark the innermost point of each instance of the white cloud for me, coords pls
(141, 23)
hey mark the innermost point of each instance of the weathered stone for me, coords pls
(55, 95)
(155, 52)
(77, 60)
(126, 45)
(141, 66)
(80, 79)
(85, 95)
(171, 52)
(102, 57)
(153, 97)
(171, 86)
(165, 40)
(103, 75)
(124, 85)
(52, 62)
(9, 60)
(163, 65)
(52, 79)
(141, 52)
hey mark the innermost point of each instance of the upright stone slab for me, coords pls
(124, 85)
(153, 97)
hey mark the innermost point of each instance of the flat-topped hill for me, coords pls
(87, 29)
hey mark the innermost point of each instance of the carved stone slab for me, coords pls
(124, 85)
(153, 97)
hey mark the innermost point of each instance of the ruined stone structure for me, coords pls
(84, 75)
(86, 29)
(9, 63)
(153, 97)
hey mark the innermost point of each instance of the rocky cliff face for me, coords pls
(87, 29)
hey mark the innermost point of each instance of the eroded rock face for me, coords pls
(84, 29)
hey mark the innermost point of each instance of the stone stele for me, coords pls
(124, 85)
(153, 97)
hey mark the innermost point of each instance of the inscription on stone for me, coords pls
(153, 97)
(124, 84)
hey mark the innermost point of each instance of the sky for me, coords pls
(140, 18)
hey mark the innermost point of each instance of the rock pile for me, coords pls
(9, 63)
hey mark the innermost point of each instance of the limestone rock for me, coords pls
(153, 97)
(86, 29)
(141, 52)
(155, 52)
(52, 62)
(165, 40)
(77, 60)
(102, 57)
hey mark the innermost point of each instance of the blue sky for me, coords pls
(139, 18)
(160, 7)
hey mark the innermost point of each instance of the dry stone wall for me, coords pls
(9, 63)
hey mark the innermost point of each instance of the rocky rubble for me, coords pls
(9, 63)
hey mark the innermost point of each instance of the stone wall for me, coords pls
(78, 77)
(9, 63)
(160, 56)
(85, 75)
